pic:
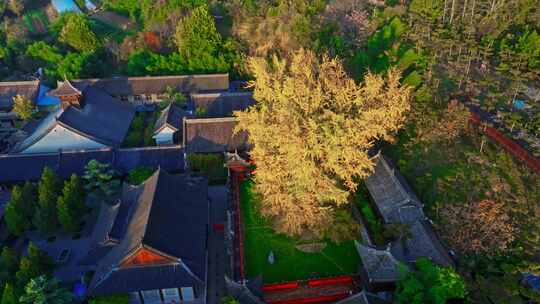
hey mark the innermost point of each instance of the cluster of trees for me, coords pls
(25, 279)
(70, 48)
(200, 49)
(47, 206)
(430, 284)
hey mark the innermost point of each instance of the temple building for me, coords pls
(87, 119)
(152, 244)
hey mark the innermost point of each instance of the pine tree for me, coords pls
(9, 259)
(8, 296)
(199, 43)
(39, 259)
(311, 128)
(45, 216)
(45, 291)
(71, 204)
(15, 218)
(78, 34)
(29, 200)
(26, 271)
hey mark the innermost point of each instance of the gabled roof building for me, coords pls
(87, 119)
(153, 244)
(169, 124)
(380, 269)
(213, 135)
(221, 104)
(396, 203)
(157, 85)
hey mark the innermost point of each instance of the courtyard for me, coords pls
(289, 263)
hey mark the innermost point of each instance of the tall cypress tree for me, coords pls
(14, 213)
(45, 216)
(71, 204)
(8, 296)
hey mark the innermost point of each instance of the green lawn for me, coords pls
(290, 263)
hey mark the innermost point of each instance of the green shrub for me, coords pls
(209, 165)
(117, 299)
(140, 174)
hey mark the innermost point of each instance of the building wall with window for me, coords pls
(165, 296)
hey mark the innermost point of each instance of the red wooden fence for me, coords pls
(509, 145)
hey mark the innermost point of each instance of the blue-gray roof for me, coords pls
(169, 216)
(23, 167)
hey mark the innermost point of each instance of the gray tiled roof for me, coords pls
(379, 265)
(66, 88)
(8, 90)
(125, 86)
(394, 199)
(421, 242)
(170, 216)
(23, 167)
(211, 135)
(171, 116)
(222, 104)
(363, 297)
(145, 278)
(103, 118)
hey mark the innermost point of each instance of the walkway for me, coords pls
(217, 260)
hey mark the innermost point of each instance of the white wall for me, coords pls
(165, 136)
(62, 138)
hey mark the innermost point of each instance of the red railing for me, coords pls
(330, 281)
(509, 145)
(280, 286)
(319, 299)
(238, 227)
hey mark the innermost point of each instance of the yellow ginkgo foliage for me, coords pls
(311, 129)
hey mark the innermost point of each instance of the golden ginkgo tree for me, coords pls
(311, 128)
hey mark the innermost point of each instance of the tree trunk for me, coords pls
(444, 12)
(452, 11)
(464, 10)
(482, 145)
(472, 10)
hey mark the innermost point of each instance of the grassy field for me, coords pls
(290, 263)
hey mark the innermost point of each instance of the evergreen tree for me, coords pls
(14, 215)
(39, 259)
(9, 260)
(99, 178)
(430, 284)
(45, 216)
(29, 200)
(8, 296)
(199, 42)
(42, 290)
(77, 33)
(71, 204)
(26, 271)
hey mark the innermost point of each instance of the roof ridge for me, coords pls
(20, 82)
(152, 77)
(218, 94)
(209, 120)
(155, 176)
